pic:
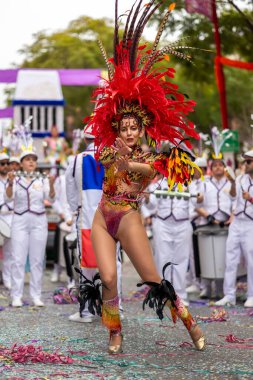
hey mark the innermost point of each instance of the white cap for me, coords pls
(4, 156)
(88, 135)
(27, 153)
(15, 159)
(201, 162)
(248, 155)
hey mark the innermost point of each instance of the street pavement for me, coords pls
(152, 349)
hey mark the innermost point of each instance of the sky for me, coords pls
(20, 19)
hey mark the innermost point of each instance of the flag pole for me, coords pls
(219, 69)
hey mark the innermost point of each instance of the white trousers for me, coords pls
(29, 237)
(240, 241)
(7, 260)
(173, 243)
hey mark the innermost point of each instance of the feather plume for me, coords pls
(125, 35)
(159, 294)
(89, 293)
(102, 49)
(116, 33)
(159, 33)
(217, 140)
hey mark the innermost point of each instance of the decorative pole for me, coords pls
(219, 69)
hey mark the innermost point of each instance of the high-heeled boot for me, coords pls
(111, 319)
(163, 293)
(179, 310)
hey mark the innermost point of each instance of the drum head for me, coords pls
(5, 229)
(71, 237)
(65, 227)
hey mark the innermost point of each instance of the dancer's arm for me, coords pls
(123, 163)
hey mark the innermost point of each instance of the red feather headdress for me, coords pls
(136, 87)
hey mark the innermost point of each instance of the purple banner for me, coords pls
(8, 76)
(203, 7)
(79, 77)
(68, 77)
(6, 113)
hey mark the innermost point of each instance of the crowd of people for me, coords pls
(115, 194)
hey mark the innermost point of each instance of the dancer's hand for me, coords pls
(121, 147)
(122, 163)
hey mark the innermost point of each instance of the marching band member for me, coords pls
(196, 187)
(62, 208)
(172, 238)
(14, 164)
(6, 213)
(216, 209)
(240, 237)
(29, 228)
(84, 189)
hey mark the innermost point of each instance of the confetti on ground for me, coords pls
(151, 348)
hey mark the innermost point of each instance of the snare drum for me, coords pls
(5, 229)
(212, 252)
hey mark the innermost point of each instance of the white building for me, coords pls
(39, 94)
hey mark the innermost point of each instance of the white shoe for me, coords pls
(76, 318)
(192, 289)
(71, 284)
(225, 301)
(16, 302)
(55, 276)
(38, 302)
(249, 302)
(186, 303)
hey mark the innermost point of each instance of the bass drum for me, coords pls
(212, 252)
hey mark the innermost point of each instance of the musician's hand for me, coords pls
(146, 197)
(246, 195)
(11, 176)
(200, 198)
(210, 219)
(148, 221)
(121, 148)
(122, 163)
(69, 222)
(230, 219)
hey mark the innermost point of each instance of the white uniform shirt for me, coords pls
(244, 209)
(73, 175)
(30, 196)
(60, 204)
(170, 208)
(217, 200)
(5, 207)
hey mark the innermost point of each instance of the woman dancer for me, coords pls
(136, 100)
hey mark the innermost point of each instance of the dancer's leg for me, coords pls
(105, 250)
(134, 241)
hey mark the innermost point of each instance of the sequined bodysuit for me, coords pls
(122, 190)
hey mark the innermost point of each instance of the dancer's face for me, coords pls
(129, 131)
